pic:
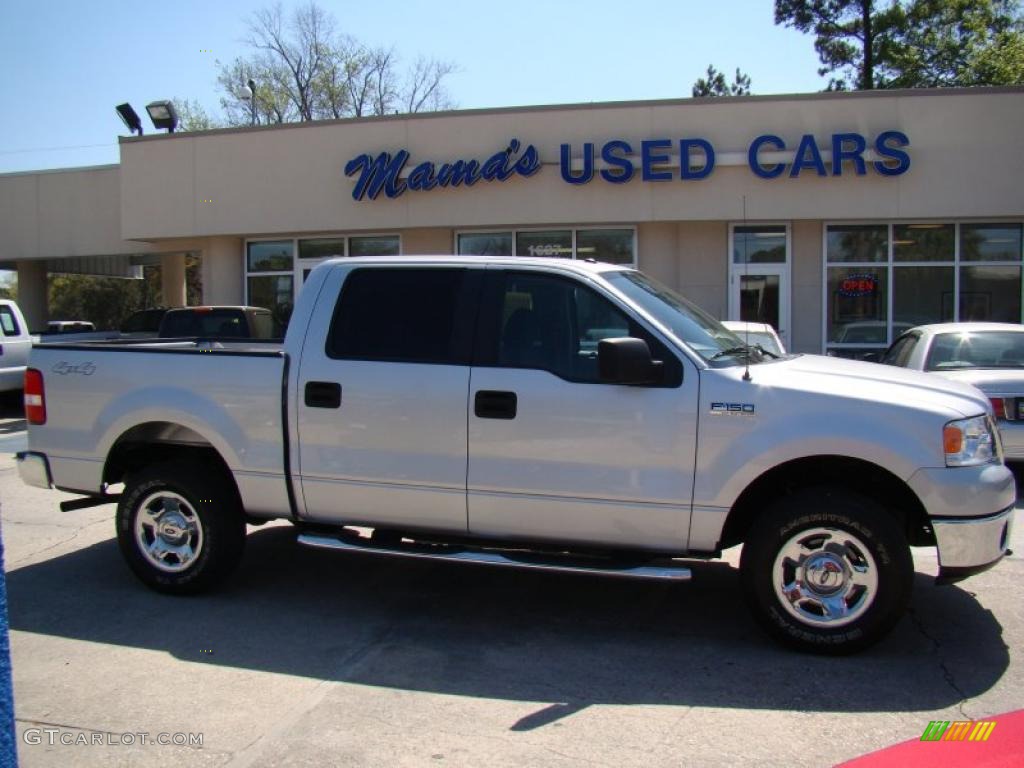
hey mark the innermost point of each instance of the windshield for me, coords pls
(765, 341)
(976, 349)
(687, 322)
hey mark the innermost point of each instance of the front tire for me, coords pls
(826, 570)
(180, 528)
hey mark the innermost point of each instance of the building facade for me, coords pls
(839, 218)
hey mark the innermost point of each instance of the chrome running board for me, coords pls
(664, 571)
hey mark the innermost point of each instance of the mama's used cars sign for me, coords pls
(618, 161)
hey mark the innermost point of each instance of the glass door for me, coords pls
(759, 276)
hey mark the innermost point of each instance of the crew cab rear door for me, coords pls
(554, 453)
(382, 397)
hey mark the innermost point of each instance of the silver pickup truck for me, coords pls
(540, 413)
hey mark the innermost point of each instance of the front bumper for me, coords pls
(970, 545)
(34, 469)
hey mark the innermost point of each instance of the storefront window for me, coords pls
(612, 246)
(382, 245)
(858, 305)
(922, 242)
(322, 248)
(921, 295)
(858, 242)
(556, 243)
(274, 276)
(991, 294)
(759, 244)
(990, 242)
(485, 244)
(939, 272)
(271, 256)
(274, 292)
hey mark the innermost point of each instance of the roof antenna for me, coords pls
(746, 274)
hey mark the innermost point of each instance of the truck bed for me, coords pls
(101, 392)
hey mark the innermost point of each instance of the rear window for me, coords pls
(402, 315)
(211, 324)
(976, 349)
(8, 322)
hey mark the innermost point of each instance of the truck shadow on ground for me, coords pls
(496, 633)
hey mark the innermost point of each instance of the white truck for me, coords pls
(15, 343)
(539, 413)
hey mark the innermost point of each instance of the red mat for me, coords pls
(1003, 749)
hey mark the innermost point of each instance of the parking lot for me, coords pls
(316, 658)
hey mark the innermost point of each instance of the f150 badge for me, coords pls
(732, 409)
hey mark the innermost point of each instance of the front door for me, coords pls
(759, 276)
(555, 454)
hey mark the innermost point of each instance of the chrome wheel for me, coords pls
(168, 532)
(825, 576)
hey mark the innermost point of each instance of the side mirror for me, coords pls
(627, 361)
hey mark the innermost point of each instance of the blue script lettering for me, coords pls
(375, 174)
(383, 173)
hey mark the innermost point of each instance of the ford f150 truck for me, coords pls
(535, 413)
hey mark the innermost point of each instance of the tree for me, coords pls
(304, 69)
(107, 301)
(848, 35)
(715, 84)
(912, 44)
(957, 43)
(192, 116)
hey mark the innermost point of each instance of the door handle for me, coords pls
(489, 404)
(323, 394)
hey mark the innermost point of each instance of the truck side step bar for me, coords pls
(663, 571)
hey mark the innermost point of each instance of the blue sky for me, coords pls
(67, 64)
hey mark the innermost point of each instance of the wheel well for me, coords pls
(861, 476)
(157, 442)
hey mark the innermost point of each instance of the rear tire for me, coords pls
(180, 527)
(826, 570)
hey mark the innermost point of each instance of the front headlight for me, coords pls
(970, 442)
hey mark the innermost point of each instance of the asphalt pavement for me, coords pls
(314, 658)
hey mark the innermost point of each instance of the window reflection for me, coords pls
(759, 244)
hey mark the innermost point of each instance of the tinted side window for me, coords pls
(144, 321)
(899, 352)
(555, 324)
(263, 326)
(403, 315)
(8, 322)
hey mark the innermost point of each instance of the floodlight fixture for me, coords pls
(163, 114)
(129, 117)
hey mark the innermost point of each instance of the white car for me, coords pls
(759, 334)
(988, 355)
